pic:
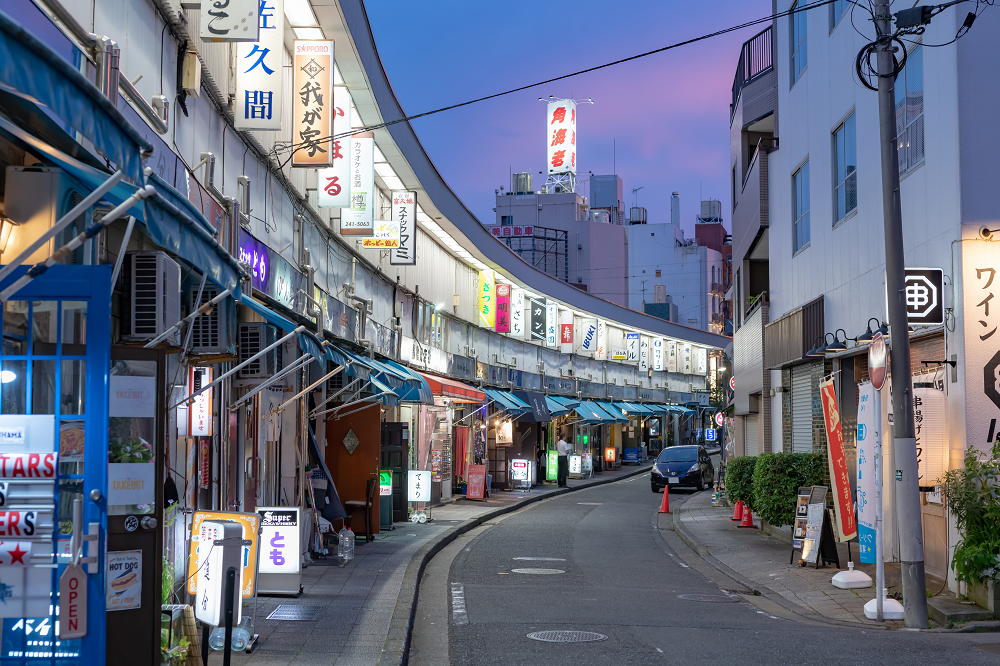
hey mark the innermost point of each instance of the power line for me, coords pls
(767, 19)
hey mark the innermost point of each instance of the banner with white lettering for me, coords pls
(259, 67)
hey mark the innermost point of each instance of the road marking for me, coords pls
(538, 571)
(659, 650)
(684, 565)
(591, 503)
(458, 611)
(542, 559)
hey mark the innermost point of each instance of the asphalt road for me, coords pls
(619, 577)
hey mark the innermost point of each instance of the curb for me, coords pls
(702, 551)
(401, 624)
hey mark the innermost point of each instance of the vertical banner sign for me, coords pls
(566, 331)
(204, 456)
(643, 353)
(588, 335)
(537, 319)
(503, 308)
(200, 409)
(518, 324)
(869, 434)
(561, 133)
(700, 360)
(487, 296)
(312, 102)
(601, 353)
(335, 183)
(981, 327)
(358, 219)
(658, 354)
(929, 426)
(279, 538)
(230, 21)
(259, 71)
(551, 337)
(632, 347)
(671, 352)
(844, 524)
(684, 361)
(404, 212)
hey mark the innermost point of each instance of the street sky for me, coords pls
(661, 121)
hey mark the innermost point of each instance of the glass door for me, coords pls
(53, 454)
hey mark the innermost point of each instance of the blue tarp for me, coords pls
(32, 69)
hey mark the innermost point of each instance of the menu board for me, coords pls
(476, 488)
(814, 524)
(801, 514)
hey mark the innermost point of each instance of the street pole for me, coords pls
(907, 493)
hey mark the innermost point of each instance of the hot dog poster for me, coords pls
(124, 579)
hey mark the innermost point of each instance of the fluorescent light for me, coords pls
(299, 13)
(379, 157)
(393, 183)
(309, 33)
(384, 169)
(338, 80)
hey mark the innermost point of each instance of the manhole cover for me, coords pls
(542, 559)
(537, 571)
(711, 598)
(989, 647)
(563, 636)
(293, 612)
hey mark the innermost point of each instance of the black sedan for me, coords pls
(682, 466)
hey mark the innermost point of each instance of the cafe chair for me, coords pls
(351, 506)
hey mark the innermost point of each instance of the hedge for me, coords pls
(777, 478)
(739, 480)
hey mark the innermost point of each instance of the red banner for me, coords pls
(476, 488)
(844, 524)
(203, 458)
(503, 308)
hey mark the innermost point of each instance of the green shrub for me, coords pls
(739, 480)
(973, 497)
(777, 478)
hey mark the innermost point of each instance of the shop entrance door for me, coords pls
(395, 454)
(54, 400)
(136, 411)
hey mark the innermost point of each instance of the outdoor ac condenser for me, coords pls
(209, 332)
(255, 336)
(151, 296)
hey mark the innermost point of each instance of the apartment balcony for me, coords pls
(755, 62)
(752, 215)
(716, 289)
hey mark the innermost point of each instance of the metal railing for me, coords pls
(755, 59)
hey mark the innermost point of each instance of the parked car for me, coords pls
(682, 466)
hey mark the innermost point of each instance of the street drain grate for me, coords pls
(989, 647)
(294, 612)
(711, 598)
(538, 571)
(563, 636)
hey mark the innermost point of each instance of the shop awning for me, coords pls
(557, 407)
(539, 412)
(449, 388)
(309, 342)
(386, 394)
(417, 390)
(590, 412)
(507, 401)
(613, 411)
(632, 408)
(32, 69)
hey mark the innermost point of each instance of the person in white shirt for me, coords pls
(563, 449)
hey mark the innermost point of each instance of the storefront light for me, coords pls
(7, 376)
(6, 224)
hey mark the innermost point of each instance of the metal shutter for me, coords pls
(802, 397)
(750, 431)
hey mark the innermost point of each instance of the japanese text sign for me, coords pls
(358, 219)
(213, 561)
(503, 308)
(658, 354)
(418, 487)
(404, 212)
(551, 338)
(230, 20)
(259, 70)
(250, 524)
(981, 316)
(486, 310)
(929, 427)
(254, 253)
(537, 318)
(200, 407)
(869, 466)
(279, 538)
(601, 352)
(312, 103)
(844, 524)
(632, 347)
(334, 183)
(518, 325)
(385, 236)
(560, 130)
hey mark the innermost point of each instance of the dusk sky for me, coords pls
(668, 113)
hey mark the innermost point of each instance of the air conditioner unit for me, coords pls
(209, 332)
(151, 296)
(337, 382)
(255, 336)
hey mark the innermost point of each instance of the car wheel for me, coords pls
(701, 483)
(654, 488)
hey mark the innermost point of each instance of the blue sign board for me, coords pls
(710, 435)
(631, 456)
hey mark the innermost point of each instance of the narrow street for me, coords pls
(621, 576)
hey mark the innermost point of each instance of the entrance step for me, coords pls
(945, 610)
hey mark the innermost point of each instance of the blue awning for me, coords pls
(507, 402)
(307, 340)
(632, 408)
(32, 69)
(399, 381)
(388, 395)
(613, 411)
(591, 413)
(557, 407)
(419, 391)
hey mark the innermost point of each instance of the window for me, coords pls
(713, 273)
(734, 187)
(800, 205)
(837, 10)
(506, 220)
(797, 21)
(910, 112)
(845, 170)
(658, 273)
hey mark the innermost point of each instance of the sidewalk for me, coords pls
(361, 612)
(761, 563)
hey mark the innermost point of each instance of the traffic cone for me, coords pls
(747, 519)
(665, 504)
(738, 513)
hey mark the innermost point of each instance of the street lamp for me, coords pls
(868, 334)
(837, 345)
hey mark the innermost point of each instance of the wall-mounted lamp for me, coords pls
(6, 225)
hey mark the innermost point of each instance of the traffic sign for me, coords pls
(710, 435)
(878, 358)
(718, 419)
(732, 383)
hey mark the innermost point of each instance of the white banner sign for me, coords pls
(131, 483)
(658, 354)
(588, 335)
(230, 20)
(279, 539)
(700, 360)
(404, 212)
(359, 218)
(551, 314)
(335, 183)
(684, 362)
(418, 487)
(929, 425)
(869, 432)
(601, 353)
(566, 331)
(632, 347)
(518, 327)
(671, 353)
(259, 68)
(980, 322)
(561, 133)
(643, 353)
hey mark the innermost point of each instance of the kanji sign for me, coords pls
(503, 308)
(566, 333)
(518, 318)
(259, 72)
(512, 231)
(200, 408)
(418, 487)
(844, 524)
(386, 235)
(312, 103)
(334, 183)
(560, 129)
(404, 212)
(279, 538)
(358, 219)
(551, 338)
(230, 20)
(671, 356)
(486, 310)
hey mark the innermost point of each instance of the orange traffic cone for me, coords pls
(665, 504)
(738, 513)
(747, 519)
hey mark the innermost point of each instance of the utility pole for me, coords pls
(907, 493)
(644, 291)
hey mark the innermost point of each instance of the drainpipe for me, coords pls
(108, 55)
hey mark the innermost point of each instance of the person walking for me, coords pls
(562, 448)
